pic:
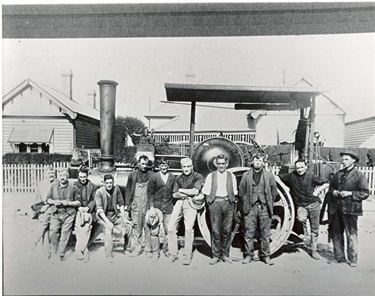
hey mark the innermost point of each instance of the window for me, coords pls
(34, 148)
(22, 147)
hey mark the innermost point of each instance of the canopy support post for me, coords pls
(192, 127)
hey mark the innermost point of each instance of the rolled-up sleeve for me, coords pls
(207, 185)
(99, 201)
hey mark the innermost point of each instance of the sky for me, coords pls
(343, 65)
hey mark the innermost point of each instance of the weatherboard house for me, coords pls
(38, 118)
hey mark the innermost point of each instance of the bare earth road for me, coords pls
(27, 272)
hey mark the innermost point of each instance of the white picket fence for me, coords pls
(23, 178)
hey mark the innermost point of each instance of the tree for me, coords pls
(125, 126)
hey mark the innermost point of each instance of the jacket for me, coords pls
(160, 195)
(302, 192)
(88, 199)
(356, 183)
(245, 190)
(102, 202)
(130, 185)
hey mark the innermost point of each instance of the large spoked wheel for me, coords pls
(282, 219)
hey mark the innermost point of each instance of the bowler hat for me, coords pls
(351, 153)
(197, 202)
(153, 219)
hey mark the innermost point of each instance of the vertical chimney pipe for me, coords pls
(107, 124)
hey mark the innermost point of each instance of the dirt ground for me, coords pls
(28, 272)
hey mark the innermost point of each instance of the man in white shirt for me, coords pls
(220, 189)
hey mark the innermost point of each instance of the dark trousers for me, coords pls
(221, 216)
(258, 214)
(338, 225)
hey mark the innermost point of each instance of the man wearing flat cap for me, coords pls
(348, 188)
(187, 185)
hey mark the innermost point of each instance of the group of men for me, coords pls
(155, 204)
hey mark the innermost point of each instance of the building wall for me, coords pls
(357, 132)
(62, 135)
(87, 133)
(331, 128)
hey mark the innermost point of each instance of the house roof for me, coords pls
(30, 134)
(369, 143)
(68, 106)
(303, 80)
(367, 119)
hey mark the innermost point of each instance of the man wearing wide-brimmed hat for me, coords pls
(348, 188)
(187, 185)
(220, 189)
(153, 223)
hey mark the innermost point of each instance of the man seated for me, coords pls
(111, 215)
(43, 210)
(65, 199)
(85, 214)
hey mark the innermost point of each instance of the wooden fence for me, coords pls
(23, 178)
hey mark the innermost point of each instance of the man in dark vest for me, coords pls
(257, 193)
(64, 199)
(348, 188)
(302, 184)
(220, 189)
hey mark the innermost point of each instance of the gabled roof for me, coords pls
(304, 80)
(69, 107)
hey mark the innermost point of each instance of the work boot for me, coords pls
(172, 258)
(247, 260)
(80, 255)
(214, 261)
(227, 260)
(186, 261)
(267, 260)
(85, 256)
(155, 257)
(314, 255)
(335, 261)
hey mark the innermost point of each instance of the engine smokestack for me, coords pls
(107, 124)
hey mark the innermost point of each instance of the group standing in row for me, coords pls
(155, 204)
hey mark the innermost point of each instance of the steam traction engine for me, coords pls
(204, 153)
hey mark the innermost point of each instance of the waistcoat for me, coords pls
(229, 184)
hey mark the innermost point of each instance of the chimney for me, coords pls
(92, 98)
(67, 83)
(107, 124)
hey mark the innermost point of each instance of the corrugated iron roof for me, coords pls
(31, 134)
